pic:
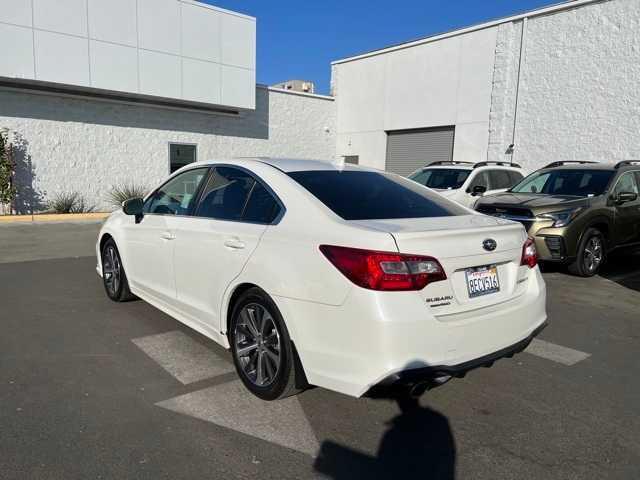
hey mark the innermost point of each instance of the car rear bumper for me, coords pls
(408, 378)
(375, 337)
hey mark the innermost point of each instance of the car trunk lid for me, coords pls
(458, 243)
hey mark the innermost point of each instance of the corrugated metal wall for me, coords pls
(408, 150)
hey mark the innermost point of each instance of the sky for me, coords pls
(300, 39)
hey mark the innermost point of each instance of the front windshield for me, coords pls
(441, 178)
(577, 183)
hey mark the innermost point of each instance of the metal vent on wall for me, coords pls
(408, 150)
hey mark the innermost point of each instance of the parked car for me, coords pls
(466, 182)
(343, 277)
(577, 212)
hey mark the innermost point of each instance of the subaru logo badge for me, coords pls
(489, 244)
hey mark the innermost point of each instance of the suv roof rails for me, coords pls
(448, 162)
(565, 162)
(504, 164)
(624, 163)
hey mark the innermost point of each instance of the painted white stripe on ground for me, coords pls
(183, 357)
(230, 405)
(556, 353)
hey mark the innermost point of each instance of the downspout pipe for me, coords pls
(523, 39)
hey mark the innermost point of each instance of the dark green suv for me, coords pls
(577, 212)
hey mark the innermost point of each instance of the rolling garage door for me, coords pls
(408, 150)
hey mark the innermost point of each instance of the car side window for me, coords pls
(226, 194)
(235, 195)
(422, 177)
(262, 207)
(515, 177)
(499, 179)
(481, 179)
(534, 185)
(176, 197)
(626, 184)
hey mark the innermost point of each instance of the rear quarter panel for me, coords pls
(288, 263)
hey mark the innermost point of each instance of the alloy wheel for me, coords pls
(593, 254)
(257, 345)
(111, 270)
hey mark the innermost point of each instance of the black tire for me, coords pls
(114, 277)
(589, 260)
(287, 378)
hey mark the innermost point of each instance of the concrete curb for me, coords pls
(53, 217)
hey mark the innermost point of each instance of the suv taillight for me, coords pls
(384, 270)
(529, 253)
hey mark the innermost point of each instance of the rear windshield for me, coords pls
(362, 195)
(441, 178)
(577, 183)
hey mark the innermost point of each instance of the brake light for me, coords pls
(384, 270)
(529, 253)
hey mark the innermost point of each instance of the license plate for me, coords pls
(482, 281)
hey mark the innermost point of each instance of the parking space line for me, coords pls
(230, 405)
(556, 353)
(183, 357)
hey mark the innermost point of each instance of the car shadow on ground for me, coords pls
(418, 444)
(622, 267)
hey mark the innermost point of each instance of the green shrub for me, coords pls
(82, 206)
(71, 202)
(122, 193)
(7, 189)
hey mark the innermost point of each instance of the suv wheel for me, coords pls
(262, 351)
(591, 254)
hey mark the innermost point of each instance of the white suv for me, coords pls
(465, 182)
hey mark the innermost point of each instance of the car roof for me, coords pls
(584, 166)
(492, 166)
(447, 167)
(618, 165)
(602, 167)
(287, 164)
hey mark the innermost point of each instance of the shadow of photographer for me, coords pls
(418, 444)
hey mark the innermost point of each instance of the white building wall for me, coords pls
(578, 90)
(447, 82)
(139, 47)
(503, 92)
(89, 146)
(579, 97)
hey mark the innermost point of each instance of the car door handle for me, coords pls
(234, 244)
(167, 236)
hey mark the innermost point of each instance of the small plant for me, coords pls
(7, 188)
(82, 206)
(71, 202)
(63, 202)
(122, 193)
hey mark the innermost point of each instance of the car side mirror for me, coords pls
(133, 206)
(624, 197)
(478, 190)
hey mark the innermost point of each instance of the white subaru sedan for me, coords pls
(348, 278)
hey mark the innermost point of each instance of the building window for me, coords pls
(352, 159)
(181, 154)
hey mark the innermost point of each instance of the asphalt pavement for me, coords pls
(94, 389)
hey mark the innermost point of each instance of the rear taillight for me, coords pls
(529, 253)
(384, 270)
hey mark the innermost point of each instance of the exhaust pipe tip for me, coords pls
(418, 389)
